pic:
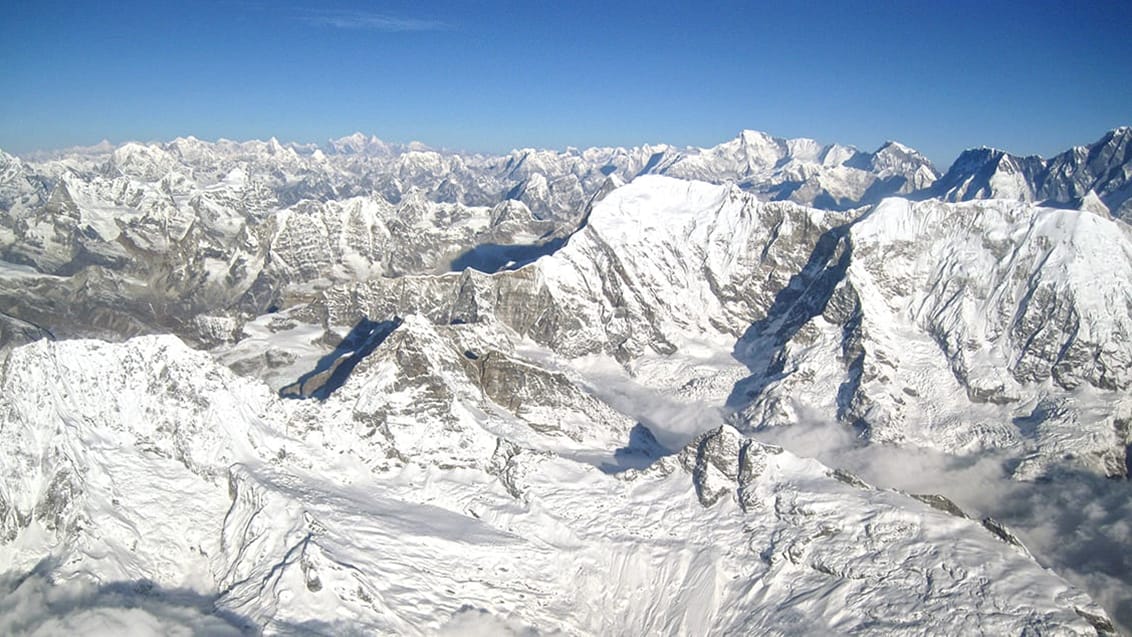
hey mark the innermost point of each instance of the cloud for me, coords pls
(673, 422)
(33, 604)
(1078, 524)
(477, 622)
(366, 21)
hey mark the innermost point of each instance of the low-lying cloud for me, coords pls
(33, 604)
(1078, 524)
(674, 423)
(477, 622)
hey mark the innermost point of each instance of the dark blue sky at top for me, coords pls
(1030, 77)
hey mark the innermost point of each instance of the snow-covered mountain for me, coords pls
(435, 391)
(928, 323)
(554, 184)
(984, 325)
(1097, 176)
(146, 465)
(143, 238)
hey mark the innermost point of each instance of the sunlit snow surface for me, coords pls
(154, 467)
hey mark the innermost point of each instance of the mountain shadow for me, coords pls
(497, 257)
(333, 369)
(640, 451)
(762, 346)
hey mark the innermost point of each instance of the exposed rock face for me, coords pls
(1097, 177)
(952, 320)
(1047, 286)
(145, 237)
(988, 173)
(723, 463)
(451, 390)
(14, 332)
(1103, 168)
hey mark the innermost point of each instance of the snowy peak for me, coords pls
(1104, 167)
(942, 318)
(757, 149)
(895, 147)
(988, 173)
(359, 144)
(893, 158)
(1118, 137)
(143, 161)
(804, 171)
(1091, 202)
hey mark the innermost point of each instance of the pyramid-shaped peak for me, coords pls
(750, 136)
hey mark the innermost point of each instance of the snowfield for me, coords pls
(147, 465)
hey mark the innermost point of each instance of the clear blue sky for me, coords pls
(1027, 76)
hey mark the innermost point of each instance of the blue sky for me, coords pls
(1027, 76)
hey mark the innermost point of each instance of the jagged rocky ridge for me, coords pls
(1097, 177)
(148, 237)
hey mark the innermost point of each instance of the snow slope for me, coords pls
(145, 464)
(984, 325)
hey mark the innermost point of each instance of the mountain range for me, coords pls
(376, 388)
(1097, 176)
